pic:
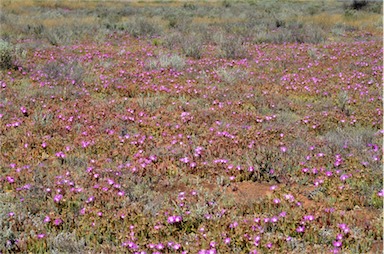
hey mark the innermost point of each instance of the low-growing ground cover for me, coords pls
(130, 140)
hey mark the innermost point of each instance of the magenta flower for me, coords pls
(60, 155)
(23, 110)
(174, 219)
(274, 219)
(344, 227)
(57, 222)
(160, 246)
(233, 225)
(337, 244)
(185, 160)
(300, 229)
(130, 245)
(57, 198)
(10, 179)
(176, 246)
(40, 236)
(308, 218)
(344, 177)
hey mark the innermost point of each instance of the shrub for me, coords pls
(70, 71)
(293, 33)
(66, 243)
(141, 27)
(232, 76)
(355, 137)
(8, 236)
(192, 45)
(172, 61)
(358, 4)
(6, 55)
(64, 34)
(172, 40)
(233, 48)
(366, 5)
(179, 22)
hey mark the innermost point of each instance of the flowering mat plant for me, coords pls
(153, 135)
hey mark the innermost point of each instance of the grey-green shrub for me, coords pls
(192, 45)
(233, 48)
(172, 61)
(232, 76)
(66, 242)
(6, 55)
(140, 27)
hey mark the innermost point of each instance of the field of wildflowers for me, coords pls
(191, 127)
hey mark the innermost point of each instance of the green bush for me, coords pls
(141, 27)
(192, 45)
(166, 61)
(6, 55)
(64, 71)
(233, 48)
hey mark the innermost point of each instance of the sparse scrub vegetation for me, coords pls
(202, 127)
(6, 55)
(166, 61)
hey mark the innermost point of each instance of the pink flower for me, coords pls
(160, 246)
(130, 245)
(57, 198)
(23, 110)
(274, 219)
(337, 244)
(174, 219)
(40, 236)
(344, 227)
(308, 218)
(60, 155)
(10, 179)
(300, 229)
(57, 222)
